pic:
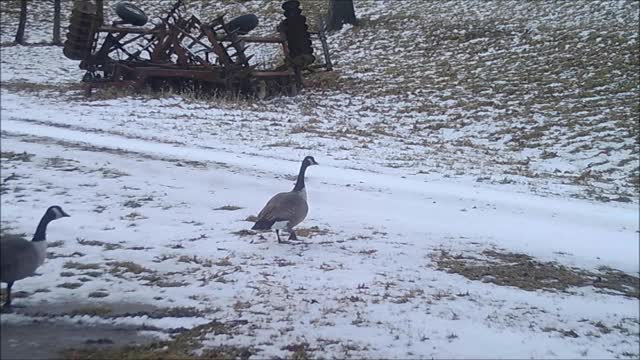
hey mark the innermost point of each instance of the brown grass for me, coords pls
(524, 272)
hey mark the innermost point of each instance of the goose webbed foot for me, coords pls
(7, 308)
(292, 235)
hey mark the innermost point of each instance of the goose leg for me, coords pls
(7, 304)
(292, 235)
(278, 235)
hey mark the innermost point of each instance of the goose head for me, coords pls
(308, 161)
(55, 212)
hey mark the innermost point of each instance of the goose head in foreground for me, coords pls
(19, 258)
(287, 209)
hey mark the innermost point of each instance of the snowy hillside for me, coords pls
(477, 194)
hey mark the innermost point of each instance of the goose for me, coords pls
(19, 258)
(287, 209)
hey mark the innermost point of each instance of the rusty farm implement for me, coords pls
(183, 52)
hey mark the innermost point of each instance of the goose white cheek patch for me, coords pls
(57, 213)
(279, 225)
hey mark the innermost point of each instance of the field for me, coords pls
(477, 194)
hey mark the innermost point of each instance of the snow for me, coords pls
(404, 174)
(415, 217)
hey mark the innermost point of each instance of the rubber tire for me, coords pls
(131, 13)
(243, 23)
(291, 4)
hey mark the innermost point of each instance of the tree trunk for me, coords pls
(22, 23)
(100, 11)
(56, 22)
(340, 12)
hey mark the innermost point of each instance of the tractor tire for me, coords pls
(243, 24)
(131, 13)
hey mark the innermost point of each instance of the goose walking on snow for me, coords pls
(19, 258)
(287, 209)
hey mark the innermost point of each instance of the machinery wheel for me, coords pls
(131, 13)
(243, 23)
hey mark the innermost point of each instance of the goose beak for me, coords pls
(64, 214)
(315, 163)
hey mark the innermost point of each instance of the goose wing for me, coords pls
(18, 259)
(289, 206)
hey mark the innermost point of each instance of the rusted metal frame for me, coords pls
(273, 74)
(178, 44)
(285, 46)
(174, 11)
(195, 40)
(120, 45)
(116, 29)
(102, 55)
(135, 38)
(112, 43)
(204, 75)
(161, 50)
(232, 37)
(325, 50)
(146, 47)
(257, 39)
(217, 48)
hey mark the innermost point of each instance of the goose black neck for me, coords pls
(300, 182)
(41, 231)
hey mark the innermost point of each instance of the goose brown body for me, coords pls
(287, 209)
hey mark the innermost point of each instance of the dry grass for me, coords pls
(122, 267)
(80, 266)
(182, 346)
(69, 285)
(228, 208)
(13, 156)
(524, 272)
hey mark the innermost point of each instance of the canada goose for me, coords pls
(19, 258)
(287, 209)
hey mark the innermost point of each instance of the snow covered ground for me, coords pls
(411, 184)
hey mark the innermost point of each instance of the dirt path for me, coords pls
(43, 331)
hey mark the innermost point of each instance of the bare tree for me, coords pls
(340, 12)
(22, 23)
(56, 22)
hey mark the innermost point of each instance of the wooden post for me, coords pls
(22, 23)
(56, 22)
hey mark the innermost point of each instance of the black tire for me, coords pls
(291, 4)
(243, 24)
(131, 13)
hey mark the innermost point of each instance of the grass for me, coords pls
(13, 156)
(498, 85)
(98, 294)
(311, 231)
(98, 310)
(105, 245)
(229, 208)
(299, 351)
(121, 267)
(183, 346)
(69, 285)
(196, 260)
(80, 266)
(522, 271)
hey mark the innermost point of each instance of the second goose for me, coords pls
(19, 258)
(287, 209)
